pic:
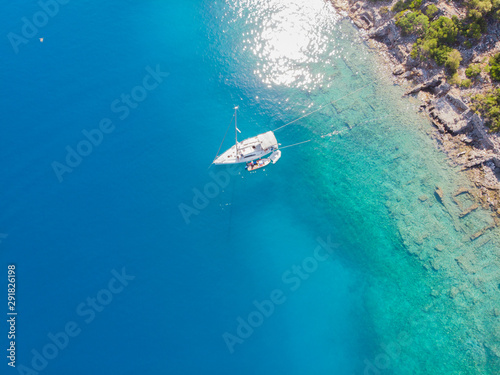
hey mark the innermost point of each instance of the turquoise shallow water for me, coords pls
(404, 289)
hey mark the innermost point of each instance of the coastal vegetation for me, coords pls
(473, 70)
(466, 83)
(488, 105)
(437, 37)
(436, 43)
(403, 5)
(431, 11)
(440, 38)
(453, 60)
(412, 23)
(480, 8)
(454, 79)
(495, 67)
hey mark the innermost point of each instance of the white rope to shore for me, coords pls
(295, 144)
(324, 105)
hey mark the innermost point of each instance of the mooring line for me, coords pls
(324, 105)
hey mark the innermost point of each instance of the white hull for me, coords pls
(249, 149)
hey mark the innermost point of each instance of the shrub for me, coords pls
(431, 10)
(400, 6)
(413, 23)
(454, 79)
(437, 38)
(480, 6)
(474, 14)
(495, 67)
(466, 83)
(473, 30)
(453, 60)
(431, 47)
(415, 4)
(473, 70)
(444, 29)
(489, 106)
(403, 5)
(438, 52)
(383, 10)
(478, 9)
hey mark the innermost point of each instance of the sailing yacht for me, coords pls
(248, 149)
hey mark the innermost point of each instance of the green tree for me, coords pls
(453, 60)
(454, 79)
(473, 70)
(489, 106)
(413, 23)
(480, 6)
(431, 10)
(400, 6)
(495, 67)
(443, 29)
(415, 4)
(466, 83)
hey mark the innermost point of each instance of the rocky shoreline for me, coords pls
(459, 131)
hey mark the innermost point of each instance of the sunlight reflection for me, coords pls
(289, 37)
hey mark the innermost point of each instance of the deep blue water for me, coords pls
(121, 205)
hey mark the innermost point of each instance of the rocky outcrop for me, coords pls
(450, 114)
(363, 16)
(480, 133)
(457, 102)
(386, 33)
(426, 86)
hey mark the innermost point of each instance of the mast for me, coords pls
(236, 129)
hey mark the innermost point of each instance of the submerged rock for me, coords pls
(467, 211)
(454, 291)
(436, 265)
(439, 194)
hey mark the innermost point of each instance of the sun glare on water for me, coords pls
(288, 37)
